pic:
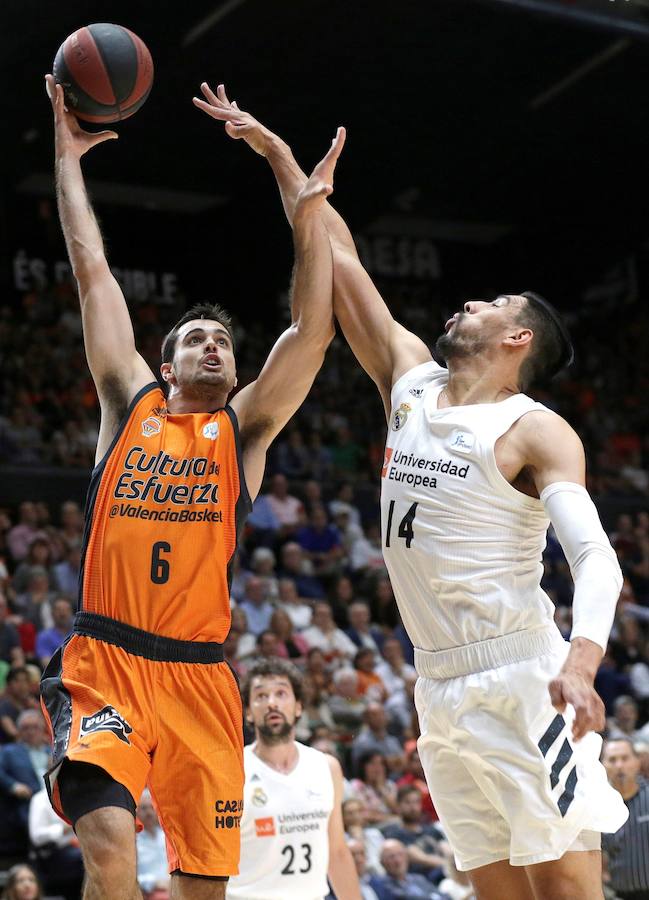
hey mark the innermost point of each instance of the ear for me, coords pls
(519, 339)
(298, 709)
(167, 372)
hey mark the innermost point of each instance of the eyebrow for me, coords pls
(203, 330)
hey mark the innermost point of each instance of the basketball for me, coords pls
(106, 72)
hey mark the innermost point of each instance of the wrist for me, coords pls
(583, 658)
(276, 148)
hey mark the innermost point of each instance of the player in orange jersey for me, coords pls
(140, 692)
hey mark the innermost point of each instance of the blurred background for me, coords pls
(493, 147)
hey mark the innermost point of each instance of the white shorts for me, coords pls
(506, 778)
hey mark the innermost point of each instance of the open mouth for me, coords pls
(211, 362)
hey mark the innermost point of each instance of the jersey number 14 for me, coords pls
(405, 525)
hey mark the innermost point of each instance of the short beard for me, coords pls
(272, 738)
(455, 345)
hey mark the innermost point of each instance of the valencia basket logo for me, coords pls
(106, 719)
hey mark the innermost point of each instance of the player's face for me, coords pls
(273, 709)
(481, 324)
(203, 356)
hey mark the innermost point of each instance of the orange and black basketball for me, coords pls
(106, 72)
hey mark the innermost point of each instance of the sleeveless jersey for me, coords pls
(284, 837)
(462, 546)
(164, 509)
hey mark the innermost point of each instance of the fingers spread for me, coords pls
(222, 95)
(209, 93)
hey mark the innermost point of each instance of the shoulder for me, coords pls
(544, 433)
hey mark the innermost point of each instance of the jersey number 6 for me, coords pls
(405, 525)
(159, 565)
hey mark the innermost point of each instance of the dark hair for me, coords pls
(12, 674)
(623, 739)
(199, 311)
(12, 877)
(405, 790)
(273, 666)
(365, 758)
(551, 349)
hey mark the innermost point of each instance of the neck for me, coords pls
(282, 757)
(179, 402)
(629, 790)
(478, 381)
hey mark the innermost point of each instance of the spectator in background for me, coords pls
(312, 495)
(17, 699)
(262, 564)
(267, 645)
(369, 683)
(455, 885)
(286, 508)
(317, 669)
(383, 604)
(299, 611)
(625, 718)
(358, 852)
(321, 543)
(292, 456)
(71, 529)
(414, 776)
(290, 645)
(296, 567)
(341, 595)
(152, 872)
(22, 534)
(22, 884)
(361, 631)
(628, 848)
(11, 653)
(393, 669)
(344, 502)
(34, 604)
(247, 641)
(315, 711)
(320, 458)
(22, 766)
(49, 640)
(367, 551)
(39, 554)
(347, 705)
(374, 737)
(425, 842)
(66, 572)
(324, 634)
(369, 836)
(372, 787)
(346, 454)
(58, 855)
(256, 607)
(398, 883)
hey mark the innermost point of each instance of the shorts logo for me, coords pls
(106, 719)
(151, 426)
(386, 461)
(259, 797)
(228, 813)
(462, 441)
(211, 430)
(401, 416)
(265, 827)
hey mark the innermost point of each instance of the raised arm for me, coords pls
(117, 369)
(384, 348)
(266, 405)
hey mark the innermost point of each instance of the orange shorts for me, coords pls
(174, 726)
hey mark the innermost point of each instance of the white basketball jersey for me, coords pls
(284, 829)
(462, 546)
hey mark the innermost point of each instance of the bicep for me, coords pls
(555, 451)
(114, 362)
(383, 347)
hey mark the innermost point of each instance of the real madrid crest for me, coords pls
(400, 417)
(259, 797)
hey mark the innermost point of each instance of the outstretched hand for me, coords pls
(238, 124)
(69, 135)
(321, 182)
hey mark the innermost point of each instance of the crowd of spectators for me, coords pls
(309, 584)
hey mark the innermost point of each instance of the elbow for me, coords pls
(87, 264)
(319, 336)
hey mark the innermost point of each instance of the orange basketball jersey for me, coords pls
(164, 512)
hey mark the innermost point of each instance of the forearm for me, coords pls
(584, 657)
(311, 291)
(290, 181)
(80, 229)
(342, 874)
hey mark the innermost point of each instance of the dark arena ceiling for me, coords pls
(525, 120)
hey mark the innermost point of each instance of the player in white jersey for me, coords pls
(292, 834)
(474, 472)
